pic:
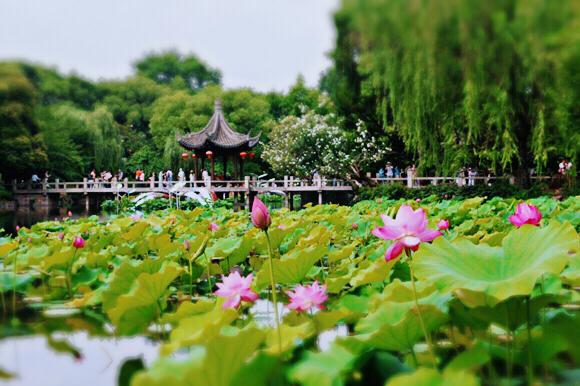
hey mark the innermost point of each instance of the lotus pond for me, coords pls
(129, 302)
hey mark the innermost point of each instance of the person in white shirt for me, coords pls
(206, 178)
(160, 178)
(389, 170)
(471, 174)
(191, 176)
(181, 175)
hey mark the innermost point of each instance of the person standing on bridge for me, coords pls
(120, 175)
(191, 177)
(181, 175)
(160, 178)
(169, 175)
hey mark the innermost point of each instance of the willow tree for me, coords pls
(469, 80)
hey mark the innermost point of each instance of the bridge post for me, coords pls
(152, 184)
(248, 195)
(43, 185)
(85, 185)
(286, 191)
(15, 185)
(319, 184)
(56, 184)
(126, 183)
(87, 202)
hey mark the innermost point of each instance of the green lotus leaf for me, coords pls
(339, 254)
(135, 310)
(527, 253)
(61, 259)
(136, 231)
(571, 274)
(124, 278)
(187, 309)
(8, 247)
(291, 268)
(156, 242)
(197, 329)
(396, 326)
(376, 272)
(259, 371)
(327, 368)
(317, 236)
(401, 292)
(289, 334)
(470, 360)
(431, 377)
(494, 239)
(22, 282)
(512, 312)
(223, 357)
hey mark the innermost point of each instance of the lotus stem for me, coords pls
(190, 281)
(530, 359)
(208, 275)
(273, 284)
(14, 288)
(427, 338)
(507, 347)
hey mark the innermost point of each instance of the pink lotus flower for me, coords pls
(135, 216)
(69, 213)
(260, 215)
(418, 200)
(61, 235)
(282, 226)
(380, 201)
(79, 242)
(236, 288)
(354, 226)
(526, 214)
(29, 240)
(56, 219)
(443, 224)
(17, 228)
(303, 298)
(186, 244)
(213, 227)
(408, 229)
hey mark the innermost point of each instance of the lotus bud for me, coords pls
(213, 227)
(354, 226)
(260, 215)
(78, 242)
(380, 201)
(61, 235)
(186, 244)
(19, 240)
(17, 228)
(56, 219)
(69, 213)
(418, 200)
(443, 224)
(29, 240)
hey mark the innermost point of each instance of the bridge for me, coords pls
(243, 190)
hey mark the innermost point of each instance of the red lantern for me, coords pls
(193, 155)
(243, 154)
(209, 153)
(252, 155)
(185, 155)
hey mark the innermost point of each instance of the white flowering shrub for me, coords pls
(299, 145)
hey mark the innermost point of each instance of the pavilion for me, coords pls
(218, 139)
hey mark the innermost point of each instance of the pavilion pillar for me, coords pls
(202, 162)
(235, 167)
(225, 165)
(241, 167)
(195, 175)
(212, 169)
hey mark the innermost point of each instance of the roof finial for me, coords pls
(218, 105)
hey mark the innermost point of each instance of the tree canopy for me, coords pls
(463, 81)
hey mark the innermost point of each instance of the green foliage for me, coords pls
(177, 70)
(461, 81)
(397, 191)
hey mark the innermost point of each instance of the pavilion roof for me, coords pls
(217, 134)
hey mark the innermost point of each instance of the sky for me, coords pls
(262, 44)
